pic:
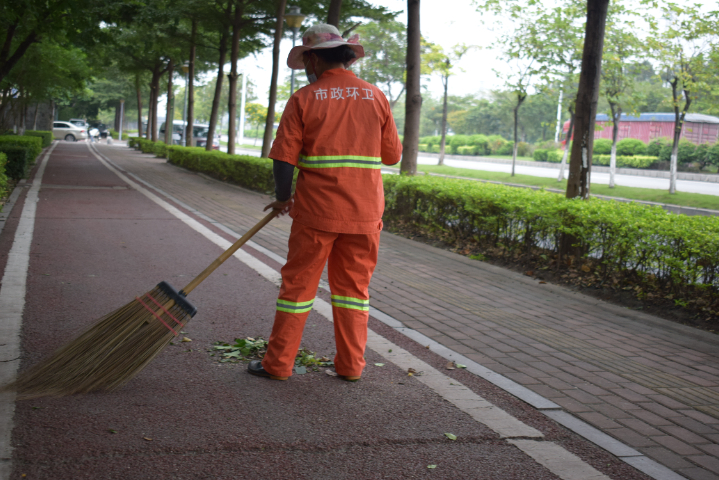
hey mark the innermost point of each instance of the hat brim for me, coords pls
(294, 59)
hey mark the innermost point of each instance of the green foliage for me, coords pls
(602, 146)
(635, 161)
(115, 135)
(3, 176)
(631, 146)
(713, 155)
(423, 147)
(160, 149)
(685, 151)
(21, 152)
(555, 156)
(677, 252)
(456, 141)
(481, 142)
(505, 149)
(497, 143)
(249, 172)
(655, 147)
(44, 135)
(540, 154)
(467, 150)
(523, 149)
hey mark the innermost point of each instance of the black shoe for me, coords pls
(255, 368)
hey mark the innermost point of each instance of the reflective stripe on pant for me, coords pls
(350, 259)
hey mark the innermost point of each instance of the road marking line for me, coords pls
(12, 304)
(451, 390)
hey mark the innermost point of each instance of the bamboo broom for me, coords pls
(119, 345)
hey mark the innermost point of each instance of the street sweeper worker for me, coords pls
(338, 131)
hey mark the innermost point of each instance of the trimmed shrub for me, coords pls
(555, 156)
(506, 148)
(685, 151)
(456, 141)
(21, 153)
(160, 149)
(636, 161)
(3, 176)
(482, 144)
(33, 144)
(713, 155)
(602, 146)
(115, 134)
(675, 254)
(540, 154)
(524, 149)
(250, 172)
(495, 144)
(430, 141)
(43, 134)
(435, 148)
(422, 147)
(631, 146)
(655, 147)
(18, 161)
(467, 150)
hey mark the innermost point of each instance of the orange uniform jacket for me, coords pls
(339, 131)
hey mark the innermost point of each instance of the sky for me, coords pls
(445, 22)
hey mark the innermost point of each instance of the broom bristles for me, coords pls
(109, 353)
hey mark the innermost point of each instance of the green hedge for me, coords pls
(43, 134)
(160, 149)
(637, 161)
(678, 253)
(3, 177)
(21, 152)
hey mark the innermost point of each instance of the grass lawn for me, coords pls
(696, 200)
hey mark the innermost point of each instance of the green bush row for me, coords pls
(250, 172)
(483, 145)
(115, 135)
(21, 152)
(43, 134)
(679, 252)
(636, 161)
(3, 177)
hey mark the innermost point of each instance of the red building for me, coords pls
(697, 128)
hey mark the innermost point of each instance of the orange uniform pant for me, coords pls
(350, 260)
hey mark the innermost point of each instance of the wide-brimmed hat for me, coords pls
(319, 36)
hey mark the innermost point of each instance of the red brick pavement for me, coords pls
(649, 383)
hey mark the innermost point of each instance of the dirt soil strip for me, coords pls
(552, 456)
(12, 301)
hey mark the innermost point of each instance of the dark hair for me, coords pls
(342, 54)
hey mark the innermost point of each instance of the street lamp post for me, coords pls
(294, 20)
(186, 69)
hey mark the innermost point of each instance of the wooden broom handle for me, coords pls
(228, 253)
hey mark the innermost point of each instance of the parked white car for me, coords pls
(199, 134)
(68, 132)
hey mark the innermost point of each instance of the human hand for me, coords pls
(283, 207)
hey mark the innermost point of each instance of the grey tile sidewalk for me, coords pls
(649, 383)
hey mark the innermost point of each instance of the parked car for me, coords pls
(79, 122)
(199, 134)
(68, 131)
(102, 128)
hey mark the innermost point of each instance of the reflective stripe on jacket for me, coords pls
(338, 131)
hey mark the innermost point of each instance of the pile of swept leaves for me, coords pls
(246, 349)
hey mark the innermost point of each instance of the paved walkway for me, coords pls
(649, 383)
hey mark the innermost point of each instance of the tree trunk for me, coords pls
(218, 89)
(191, 91)
(169, 115)
(580, 166)
(333, 16)
(570, 132)
(270, 121)
(413, 97)
(34, 118)
(139, 105)
(232, 98)
(444, 122)
(616, 116)
(154, 95)
(520, 99)
(679, 116)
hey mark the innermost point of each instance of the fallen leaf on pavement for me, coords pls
(411, 371)
(529, 273)
(185, 339)
(459, 365)
(379, 364)
(450, 436)
(431, 466)
(450, 366)
(542, 282)
(586, 268)
(301, 370)
(331, 373)
(147, 438)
